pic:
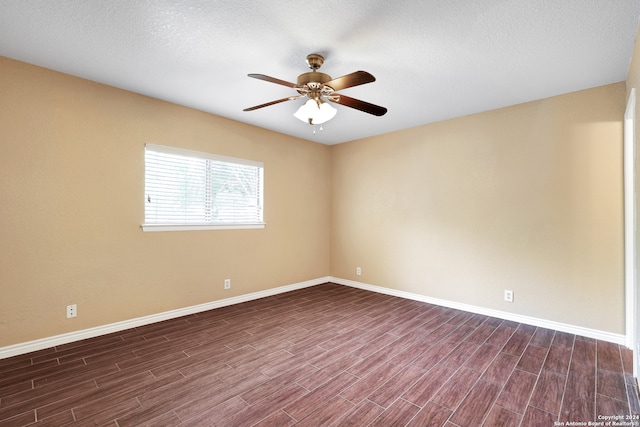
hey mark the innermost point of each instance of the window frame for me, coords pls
(152, 227)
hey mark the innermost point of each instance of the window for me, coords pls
(190, 190)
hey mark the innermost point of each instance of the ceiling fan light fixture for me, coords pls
(315, 112)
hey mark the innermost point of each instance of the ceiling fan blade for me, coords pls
(272, 103)
(272, 80)
(367, 107)
(350, 80)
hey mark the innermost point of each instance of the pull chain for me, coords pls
(314, 129)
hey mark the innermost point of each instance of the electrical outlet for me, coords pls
(508, 296)
(358, 271)
(72, 311)
(227, 283)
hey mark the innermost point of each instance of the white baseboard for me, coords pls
(40, 344)
(563, 327)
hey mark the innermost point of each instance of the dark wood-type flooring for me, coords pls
(324, 355)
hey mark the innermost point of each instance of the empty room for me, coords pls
(278, 213)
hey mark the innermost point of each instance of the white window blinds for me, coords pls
(194, 190)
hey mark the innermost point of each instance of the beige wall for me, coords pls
(72, 201)
(526, 198)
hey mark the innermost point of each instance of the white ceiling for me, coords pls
(433, 59)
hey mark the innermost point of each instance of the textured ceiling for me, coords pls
(432, 59)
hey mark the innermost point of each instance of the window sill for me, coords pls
(195, 227)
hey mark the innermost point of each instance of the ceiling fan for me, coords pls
(318, 87)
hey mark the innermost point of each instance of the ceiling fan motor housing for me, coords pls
(313, 77)
(314, 61)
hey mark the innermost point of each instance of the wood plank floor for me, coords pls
(325, 355)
